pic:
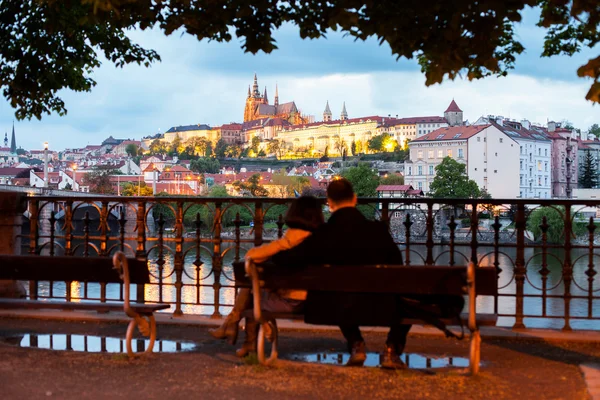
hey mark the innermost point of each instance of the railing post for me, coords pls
(178, 264)
(103, 228)
(258, 223)
(140, 251)
(385, 213)
(474, 231)
(68, 228)
(429, 227)
(520, 266)
(217, 260)
(12, 206)
(568, 268)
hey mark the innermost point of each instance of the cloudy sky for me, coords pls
(201, 82)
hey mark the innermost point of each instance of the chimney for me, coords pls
(500, 120)
(551, 126)
(526, 124)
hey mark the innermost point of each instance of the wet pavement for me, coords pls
(510, 368)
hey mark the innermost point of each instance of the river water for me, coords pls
(198, 294)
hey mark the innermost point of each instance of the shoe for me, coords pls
(358, 355)
(249, 345)
(228, 329)
(391, 360)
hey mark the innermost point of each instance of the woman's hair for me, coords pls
(305, 213)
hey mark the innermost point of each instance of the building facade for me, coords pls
(484, 149)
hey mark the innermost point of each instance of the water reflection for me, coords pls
(93, 344)
(412, 360)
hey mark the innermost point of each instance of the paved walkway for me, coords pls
(511, 369)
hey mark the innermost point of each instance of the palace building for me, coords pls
(258, 107)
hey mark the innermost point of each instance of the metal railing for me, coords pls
(546, 266)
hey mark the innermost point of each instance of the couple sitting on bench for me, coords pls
(347, 238)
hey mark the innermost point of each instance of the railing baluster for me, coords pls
(591, 272)
(407, 224)
(474, 231)
(429, 227)
(68, 228)
(452, 225)
(178, 263)
(567, 268)
(544, 271)
(160, 261)
(140, 251)
(217, 259)
(198, 261)
(103, 228)
(520, 266)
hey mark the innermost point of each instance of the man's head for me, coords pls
(340, 194)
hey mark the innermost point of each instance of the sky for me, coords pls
(207, 82)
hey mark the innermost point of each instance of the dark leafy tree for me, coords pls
(205, 165)
(52, 45)
(451, 181)
(392, 179)
(363, 179)
(99, 181)
(221, 148)
(26, 172)
(595, 130)
(252, 187)
(254, 144)
(588, 176)
(131, 150)
(353, 148)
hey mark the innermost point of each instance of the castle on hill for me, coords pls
(258, 107)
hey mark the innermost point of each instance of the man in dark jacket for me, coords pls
(348, 238)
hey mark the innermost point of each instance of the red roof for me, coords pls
(416, 120)
(394, 188)
(231, 127)
(453, 107)
(452, 133)
(9, 171)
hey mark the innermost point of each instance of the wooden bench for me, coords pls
(382, 279)
(117, 269)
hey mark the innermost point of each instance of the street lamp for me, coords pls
(45, 164)
(74, 167)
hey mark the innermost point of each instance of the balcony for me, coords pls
(546, 267)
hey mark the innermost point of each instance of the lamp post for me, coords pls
(75, 189)
(45, 164)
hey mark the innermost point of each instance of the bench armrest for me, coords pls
(252, 272)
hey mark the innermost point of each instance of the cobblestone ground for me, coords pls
(513, 369)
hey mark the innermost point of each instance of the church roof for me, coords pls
(453, 107)
(287, 108)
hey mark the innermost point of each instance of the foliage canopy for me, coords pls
(451, 181)
(52, 45)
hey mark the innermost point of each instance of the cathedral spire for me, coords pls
(249, 91)
(13, 141)
(265, 96)
(255, 92)
(327, 112)
(344, 114)
(276, 96)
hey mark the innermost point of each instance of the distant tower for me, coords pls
(13, 141)
(344, 114)
(5, 139)
(255, 92)
(249, 95)
(265, 96)
(453, 114)
(327, 113)
(276, 103)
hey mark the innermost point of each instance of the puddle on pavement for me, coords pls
(93, 344)
(417, 361)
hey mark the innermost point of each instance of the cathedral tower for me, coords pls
(344, 114)
(327, 112)
(276, 103)
(13, 141)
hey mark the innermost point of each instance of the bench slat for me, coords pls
(61, 305)
(482, 319)
(67, 269)
(398, 279)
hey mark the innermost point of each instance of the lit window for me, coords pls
(420, 154)
(440, 153)
(430, 154)
(449, 153)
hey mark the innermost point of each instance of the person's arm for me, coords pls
(262, 253)
(302, 254)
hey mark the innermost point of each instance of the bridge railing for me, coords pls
(544, 250)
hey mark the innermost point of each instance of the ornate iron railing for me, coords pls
(546, 266)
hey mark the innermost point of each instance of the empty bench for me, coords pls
(382, 279)
(117, 269)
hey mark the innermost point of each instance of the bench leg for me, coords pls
(147, 328)
(475, 355)
(260, 349)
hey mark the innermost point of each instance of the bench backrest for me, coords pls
(417, 279)
(67, 269)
